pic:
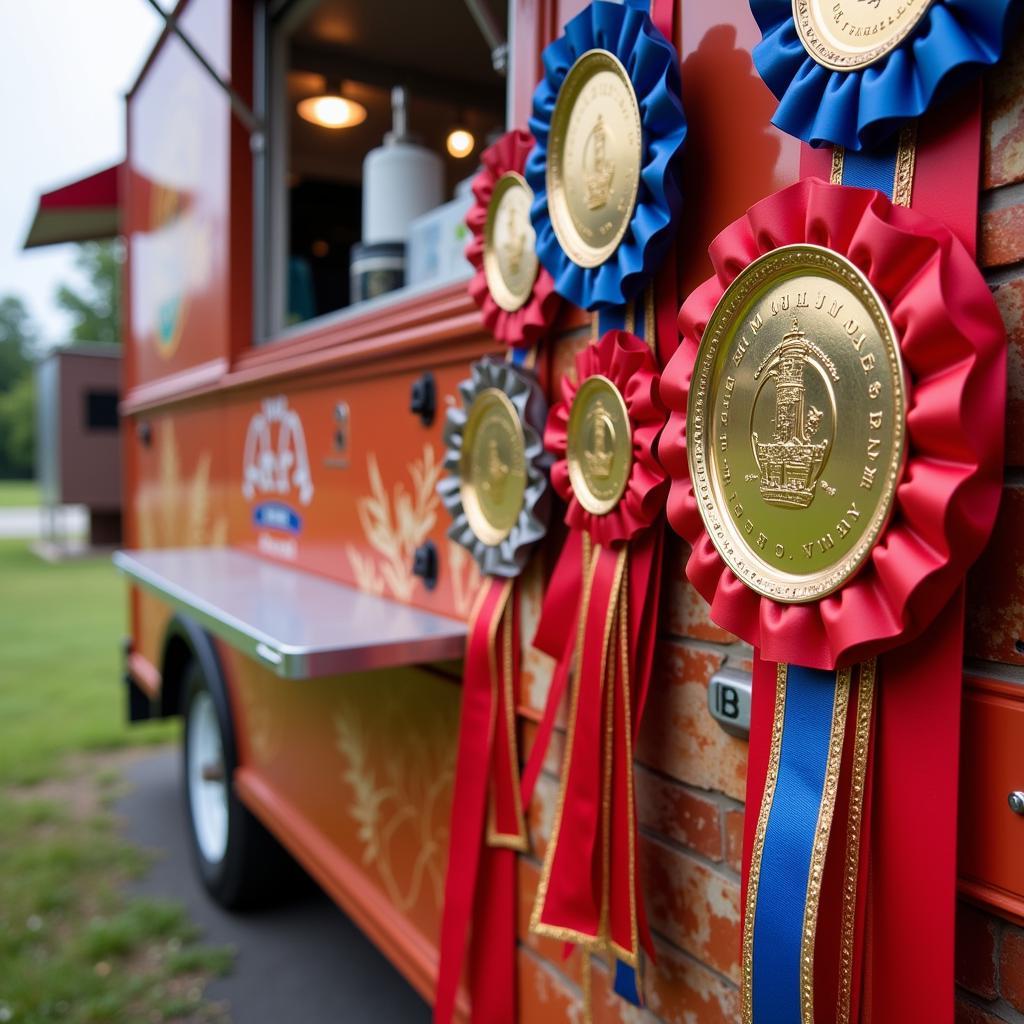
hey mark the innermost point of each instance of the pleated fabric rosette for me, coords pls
(857, 96)
(497, 492)
(856, 692)
(502, 249)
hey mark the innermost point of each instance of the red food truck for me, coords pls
(296, 200)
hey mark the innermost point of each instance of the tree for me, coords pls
(17, 388)
(18, 429)
(95, 310)
(17, 341)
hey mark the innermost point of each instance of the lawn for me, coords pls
(18, 493)
(60, 690)
(73, 946)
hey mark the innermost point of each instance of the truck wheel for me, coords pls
(239, 862)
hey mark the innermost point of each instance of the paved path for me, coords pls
(303, 963)
(30, 523)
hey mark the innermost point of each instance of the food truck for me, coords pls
(562, 452)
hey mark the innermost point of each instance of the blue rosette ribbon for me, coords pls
(861, 107)
(627, 32)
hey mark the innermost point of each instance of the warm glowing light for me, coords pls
(332, 111)
(460, 143)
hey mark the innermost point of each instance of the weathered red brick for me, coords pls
(545, 997)
(995, 588)
(692, 905)
(1002, 236)
(976, 951)
(540, 815)
(678, 736)
(1003, 154)
(1010, 299)
(681, 991)
(667, 808)
(687, 614)
(1011, 967)
(733, 835)
(550, 949)
(536, 668)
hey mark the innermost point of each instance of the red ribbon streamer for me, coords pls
(590, 891)
(602, 632)
(486, 821)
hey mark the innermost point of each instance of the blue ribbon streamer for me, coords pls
(872, 169)
(858, 108)
(788, 844)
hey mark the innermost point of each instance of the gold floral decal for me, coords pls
(162, 521)
(406, 809)
(395, 525)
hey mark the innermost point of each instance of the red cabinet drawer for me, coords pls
(991, 847)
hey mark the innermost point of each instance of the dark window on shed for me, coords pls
(101, 410)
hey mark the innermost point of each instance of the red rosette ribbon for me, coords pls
(951, 340)
(599, 621)
(524, 327)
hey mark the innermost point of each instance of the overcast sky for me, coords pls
(64, 68)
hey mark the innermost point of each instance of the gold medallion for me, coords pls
(594, 157)
(853, 34)
(492, 467)
(599, 445)
(510, 256)
(796, 423)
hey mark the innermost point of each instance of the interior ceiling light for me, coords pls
(460, 143)
(331, 111)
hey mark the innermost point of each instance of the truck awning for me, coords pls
(299, 625)
(80, 212)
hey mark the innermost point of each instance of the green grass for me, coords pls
(74, 947)
(61, 628)
(18, 493)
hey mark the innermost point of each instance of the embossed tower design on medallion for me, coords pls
(790, 463)
(515, 243)
(598, 170)
(599, 458)
(496, 470)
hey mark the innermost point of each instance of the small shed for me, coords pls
(78, 454)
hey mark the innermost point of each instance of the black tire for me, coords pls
(254, 869)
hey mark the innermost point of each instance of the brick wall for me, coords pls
(990, 951)
(691, 775)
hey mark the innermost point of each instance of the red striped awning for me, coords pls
(80, 212)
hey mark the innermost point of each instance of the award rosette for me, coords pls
(515, 293)
(497, 493)
(609, 126)
(835, 447)
(599, 620)
(850, 74)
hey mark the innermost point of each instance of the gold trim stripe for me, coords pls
(650, 327)
(627, 730)
(836, 175)
(753, 879)
(820, 849)
(855, 815)
(518, 841)
(906, 158)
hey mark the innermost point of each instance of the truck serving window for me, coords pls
(377, 111)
